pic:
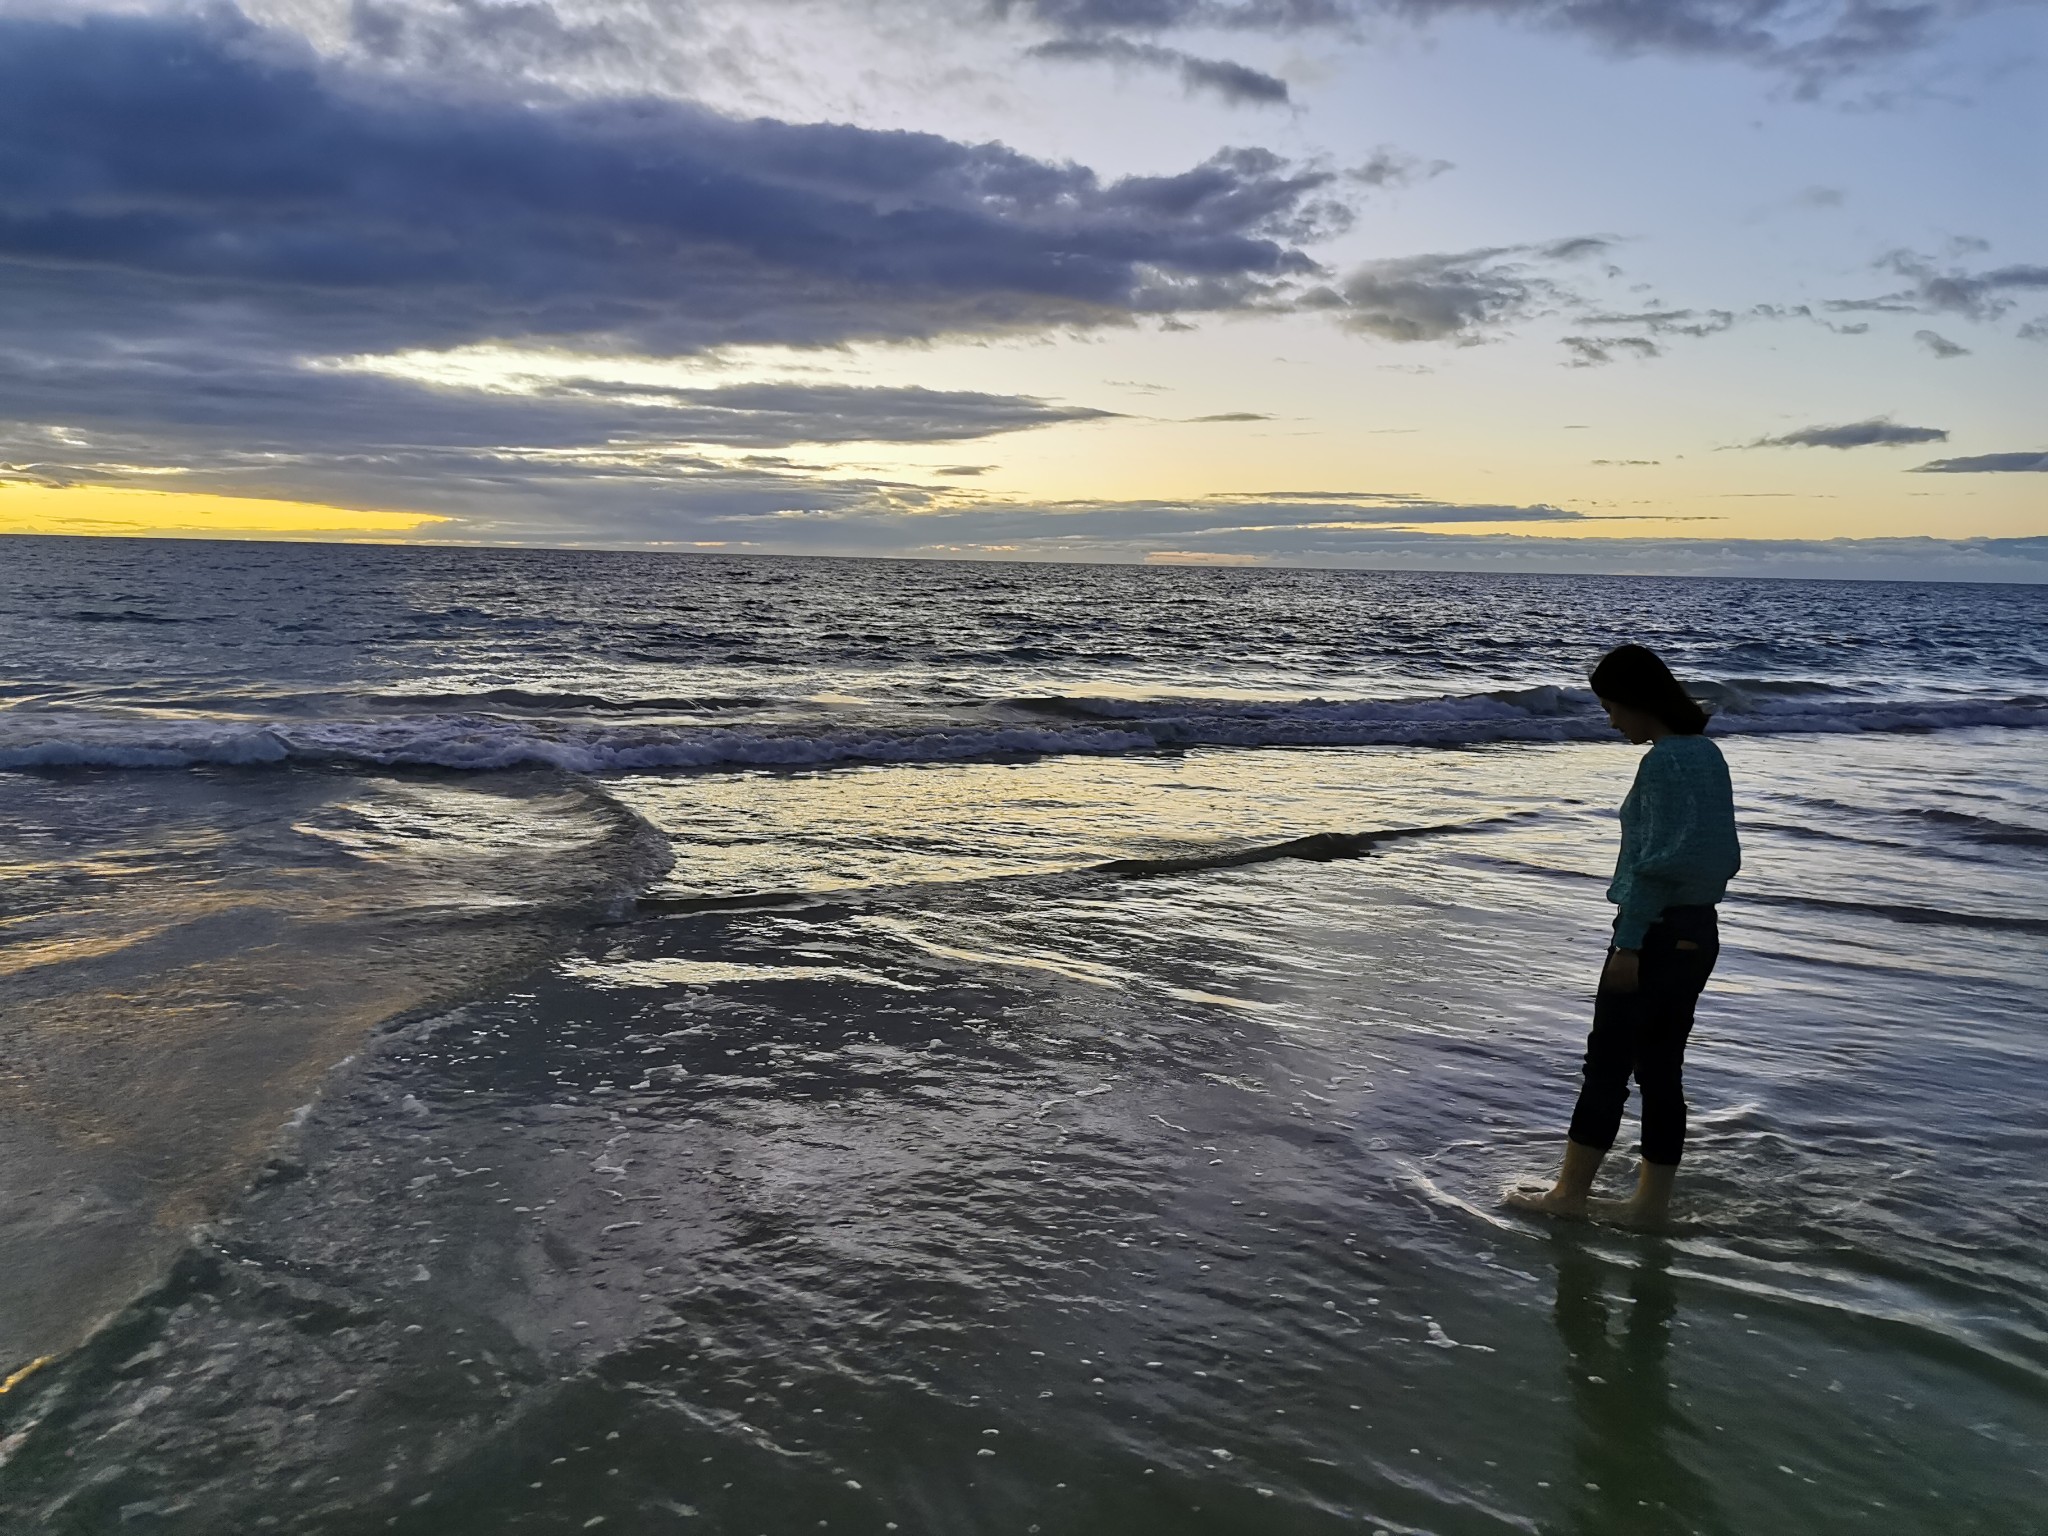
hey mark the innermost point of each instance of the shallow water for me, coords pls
(185, 958)
(1100, 1142)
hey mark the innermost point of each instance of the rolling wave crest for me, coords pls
(579, 741)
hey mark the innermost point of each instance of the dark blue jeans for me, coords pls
(1642, 1034)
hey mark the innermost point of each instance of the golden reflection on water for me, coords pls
(887, 824)
(24, 955)
(18, 1377)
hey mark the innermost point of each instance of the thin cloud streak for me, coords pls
(1237, 84)
(2023, 463)
(1812, 41)
(1877, 432)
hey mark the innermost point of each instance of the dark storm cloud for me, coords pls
(2022, 463)
(1464, 297)
(1877, 432)
(207, 159)
(1238, 84)
(194, 211)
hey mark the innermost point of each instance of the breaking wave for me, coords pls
(576, 735)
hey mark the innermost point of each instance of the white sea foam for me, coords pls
(1030, 727)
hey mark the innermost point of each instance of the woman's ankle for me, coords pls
(1581, 1164)
(1653, 1184)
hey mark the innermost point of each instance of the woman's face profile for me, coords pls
(1637, 725)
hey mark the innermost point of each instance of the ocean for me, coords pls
(541, 1041)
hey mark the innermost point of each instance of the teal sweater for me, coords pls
(1678, 846)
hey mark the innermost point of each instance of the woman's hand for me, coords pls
(1623, 972)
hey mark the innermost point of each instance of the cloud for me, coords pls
(1668, 322)
(1089, 16)
(2022, 463)
(2023, 560)
(1387, 532)
(1464, 297)
(1390, 167)
(223, 214)
(1814, 41)
(192, 397)
(1234, 416)
(1237, 84)
(782, 415)
(528, 458)
(510, 35)
(1594, 351)
(1302, 527)
(1877, 432)
(206, 161)
(655, 496)
(1936, 290)
(1940, 345)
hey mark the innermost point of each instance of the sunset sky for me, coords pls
(1647, 285)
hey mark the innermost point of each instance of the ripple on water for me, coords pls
(811, 1207)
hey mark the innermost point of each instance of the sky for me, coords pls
(1666, 286)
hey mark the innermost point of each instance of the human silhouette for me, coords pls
(1678, 853)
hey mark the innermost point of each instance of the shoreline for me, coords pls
(169, 1036)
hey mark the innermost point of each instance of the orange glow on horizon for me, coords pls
(116, 511)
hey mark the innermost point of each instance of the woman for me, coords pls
(1678, 852)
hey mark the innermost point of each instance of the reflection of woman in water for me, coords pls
(1631, 1435)
(1678, 852)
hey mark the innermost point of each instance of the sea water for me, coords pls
(506, 1041)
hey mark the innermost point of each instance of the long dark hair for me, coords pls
(1636, 676)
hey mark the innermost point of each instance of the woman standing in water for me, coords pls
(1678, 853)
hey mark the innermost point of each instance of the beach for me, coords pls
(534, 1041)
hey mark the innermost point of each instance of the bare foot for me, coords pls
(1547, 1202)
(1567, 1197)
(1633, 1212)
(1648, 1206)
